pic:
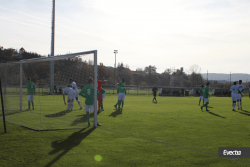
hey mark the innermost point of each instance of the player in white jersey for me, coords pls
(74, 86)
(71, 96)
(240, 90)
(234, 90)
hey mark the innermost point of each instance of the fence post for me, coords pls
(4, 124)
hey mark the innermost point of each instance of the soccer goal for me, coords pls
(50, 76)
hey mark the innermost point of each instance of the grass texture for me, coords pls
(172, 132)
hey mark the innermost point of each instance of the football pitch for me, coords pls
(172, 132)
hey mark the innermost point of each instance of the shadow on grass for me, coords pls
(67, 144)
(115, 113)
(209, 107)
(215, 114)
(244, 113)
(11, 112)
(82, 119)
(59, 114)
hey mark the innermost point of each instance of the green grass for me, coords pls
(172, 132)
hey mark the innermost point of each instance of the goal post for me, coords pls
(50, 111)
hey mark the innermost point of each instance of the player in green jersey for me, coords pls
(121, 96)
(31, 90)
(88, 93)
(249, 93)
(117, 93)
(122, 83)
(201, 94)
(103, 92)
(206, 95)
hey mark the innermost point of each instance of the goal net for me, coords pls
(50, 75)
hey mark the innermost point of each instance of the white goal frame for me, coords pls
(52, 59)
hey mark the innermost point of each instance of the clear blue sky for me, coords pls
(214, 34)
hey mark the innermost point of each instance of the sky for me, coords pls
(213, 34)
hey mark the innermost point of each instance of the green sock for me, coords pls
(119, 104)
(32, 104)
(101, 105)
(87, 116)
(28, 104)
(122, 104)
(206, 106)
(203, 101)
(199, 101)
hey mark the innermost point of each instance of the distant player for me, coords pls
(31, 90)
(122, 83)
(118, 94)
(74, 86)
(206, 95)
(201, 94)
(103, 92)
(121, 96)
(88, 92)
(154, 90)
(249, 93)
(240, 90)
(234, 90)
(71, 96)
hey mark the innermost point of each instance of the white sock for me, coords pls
(241, 104)
(72, 104)
(234, 104)
(79, 103)
(68, 105)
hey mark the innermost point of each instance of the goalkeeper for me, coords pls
(99, 87)
(31, 90)
(88, 93)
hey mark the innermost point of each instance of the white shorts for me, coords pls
(89, 108)
(234, 97)
(71, 96)
(103, 95)
(30, 97)
(206, 100)
(239, 96)
(77, 94)
(121, 96)
(201, 97)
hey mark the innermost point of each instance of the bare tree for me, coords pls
(194, 69)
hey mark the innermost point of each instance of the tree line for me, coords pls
(147, 76)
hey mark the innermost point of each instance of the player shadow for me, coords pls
(14, 112)
(82, 119)
(244, 113)
(59, 114)
(215, 114)
(115, 113)
(209, 107)
(66, 145)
